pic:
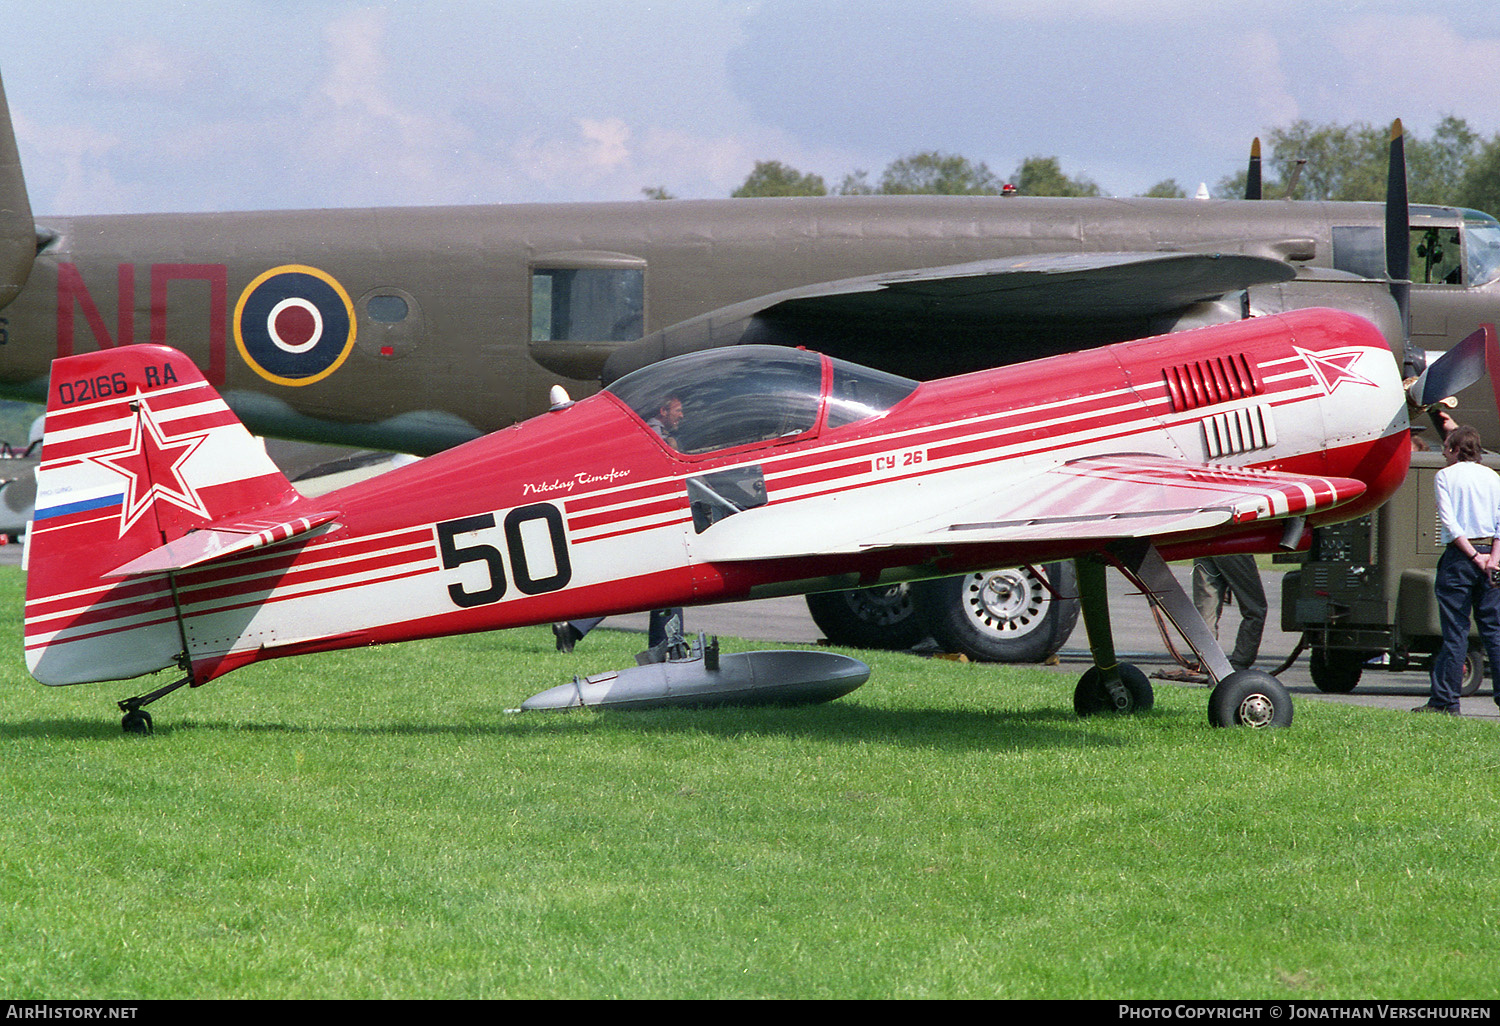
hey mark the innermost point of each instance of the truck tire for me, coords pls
(1336, 671)
(1473, 668)
(868, 617)
(1001, 616)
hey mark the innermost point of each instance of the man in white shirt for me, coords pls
(1468, 506)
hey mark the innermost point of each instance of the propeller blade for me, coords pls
(1397, 218)
(1252, 176)
(1492, 360)
(1458, 368)
(1398, 238)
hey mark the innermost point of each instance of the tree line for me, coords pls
(1453, 165)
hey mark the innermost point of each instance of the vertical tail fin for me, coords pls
(138, 451)
(17, 230)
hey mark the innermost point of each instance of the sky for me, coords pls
(162, 105)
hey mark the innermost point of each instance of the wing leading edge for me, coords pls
(1135, 497)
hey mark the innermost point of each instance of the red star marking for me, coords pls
(151, 464)
(1333, 369)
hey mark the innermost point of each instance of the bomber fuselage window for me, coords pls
(587, 304)
(387, 309)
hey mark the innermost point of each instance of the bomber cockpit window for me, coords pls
(862, 392)
(722, 398)
(1482, 250)
(1436, 256)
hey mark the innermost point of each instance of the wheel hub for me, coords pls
(1257, 711)
(1009, 600)
(883, 606)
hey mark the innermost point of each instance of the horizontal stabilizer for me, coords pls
(220, 541)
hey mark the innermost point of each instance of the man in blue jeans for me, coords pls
(1468, 506)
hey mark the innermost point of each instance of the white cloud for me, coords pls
(1416, 64)
(606, 142)
(1257, 66)
(76, 159)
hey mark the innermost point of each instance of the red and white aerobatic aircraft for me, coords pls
(164, 537)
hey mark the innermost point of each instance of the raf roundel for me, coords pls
(294, 325)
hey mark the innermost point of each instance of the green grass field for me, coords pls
(374, 824)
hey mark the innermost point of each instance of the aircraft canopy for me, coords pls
(749, 394)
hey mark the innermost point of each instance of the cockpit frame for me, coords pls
(740, 398)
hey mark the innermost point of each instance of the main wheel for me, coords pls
(1092, 696)
(868, 617)
(1335, 671)
(1001, 616)
(1250, 698)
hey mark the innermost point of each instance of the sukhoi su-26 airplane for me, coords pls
(164, 538)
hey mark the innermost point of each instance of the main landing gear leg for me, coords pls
(1109, 685)
(1250, 698)
(137, 720)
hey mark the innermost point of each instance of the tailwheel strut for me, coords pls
(136, 719)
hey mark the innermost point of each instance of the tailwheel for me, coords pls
(1250, 698)
(136, 721)
(1128, 692)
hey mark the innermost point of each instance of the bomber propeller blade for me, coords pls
(1458, 368)
(1398, 239)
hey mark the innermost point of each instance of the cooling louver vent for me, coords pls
(1236, 431)
(1205, 382)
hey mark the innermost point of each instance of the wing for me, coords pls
(1095, 497)
(987, 312)
(1131, 497)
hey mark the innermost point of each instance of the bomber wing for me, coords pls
(966, 316)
